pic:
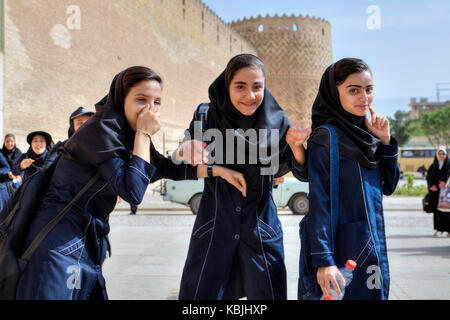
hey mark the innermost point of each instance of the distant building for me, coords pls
(423, 105)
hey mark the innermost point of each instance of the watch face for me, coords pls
(210, 171)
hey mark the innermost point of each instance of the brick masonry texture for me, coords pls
(60, 54)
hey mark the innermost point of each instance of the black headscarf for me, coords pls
(442, 173)
(269, 115)
(79, 112)
(355, 141)
(39, 159)
(11, 155)
(105, 135)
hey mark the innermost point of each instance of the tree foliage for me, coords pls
(436, 126)
(400, 128)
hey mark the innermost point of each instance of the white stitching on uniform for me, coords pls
(368, 222)
(140, 172)
(262, 247)
(198, 229)
(209, 246)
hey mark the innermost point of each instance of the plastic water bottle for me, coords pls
(347, 273)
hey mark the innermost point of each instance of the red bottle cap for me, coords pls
(350, 264)
(328, 298)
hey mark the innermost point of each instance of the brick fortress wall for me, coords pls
(54, 62)
(51, 67)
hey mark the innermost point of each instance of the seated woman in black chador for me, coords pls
(38, 155)
(11, 154)
(116, 143)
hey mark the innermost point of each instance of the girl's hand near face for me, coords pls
(295, 137)
(149, 120)
(379, 127)
(26, 163)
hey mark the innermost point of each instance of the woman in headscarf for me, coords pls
(368, 169)
(10, 150)
(38, 155)
(116, 143)
(437, 176)
(236, 247)
(76, 120)
(11, 154)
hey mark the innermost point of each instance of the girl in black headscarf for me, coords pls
(368, 169)
(10, 150)
(12, 155)
(437, 176)
(236, 248)
(116, 143)
(38, 155)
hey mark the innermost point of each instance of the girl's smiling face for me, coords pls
(247, 90)
(356, 93)
(10, 143)
(38, 144)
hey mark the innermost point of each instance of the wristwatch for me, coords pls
(210, 173)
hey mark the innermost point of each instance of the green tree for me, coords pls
(436, 126)
(400, 128)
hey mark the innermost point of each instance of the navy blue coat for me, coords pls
(67, 264)
(236, 246)
(4, 180)
(49, 158)
(360, 234)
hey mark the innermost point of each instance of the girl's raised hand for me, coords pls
(193, 152)
(379, 127)
(297, 135)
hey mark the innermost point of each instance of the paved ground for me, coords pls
(149, 250)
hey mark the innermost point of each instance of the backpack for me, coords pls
(15, 220)
(201, 114)
(308, 288)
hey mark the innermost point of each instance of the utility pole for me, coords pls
(439, 88)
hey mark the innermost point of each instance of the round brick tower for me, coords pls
(296, 50)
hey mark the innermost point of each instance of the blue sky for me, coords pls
(408, 55)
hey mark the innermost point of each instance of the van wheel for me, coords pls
(194, 203)
(299, 203)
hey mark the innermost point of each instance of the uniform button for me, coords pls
(98, 268)
(238, 209)
(236, 237)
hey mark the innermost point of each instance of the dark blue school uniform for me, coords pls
(44, 162)
(4, 180)
(67, 264)
(236, 247)
(360, 233)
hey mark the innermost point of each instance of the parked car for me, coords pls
(290, 193)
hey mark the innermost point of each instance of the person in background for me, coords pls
(12, 154)
(437, 176)
(5, 172)
(38, 155)
(76, 120)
